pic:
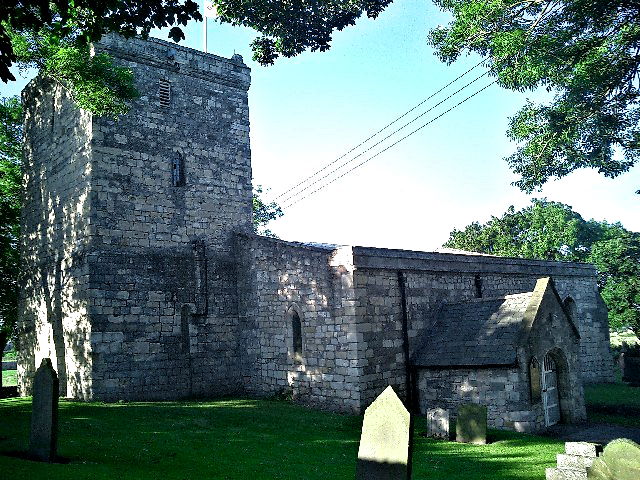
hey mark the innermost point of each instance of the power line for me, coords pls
(299, 192)
(379, 131)
(390, 146)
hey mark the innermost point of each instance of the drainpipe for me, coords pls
(405, 339)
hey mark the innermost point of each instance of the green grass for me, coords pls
(9, 378)
(9, 355)
(616, 403)
(617, 338)
(242, 439)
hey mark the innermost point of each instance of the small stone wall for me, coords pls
(283, 277)
(504, 391)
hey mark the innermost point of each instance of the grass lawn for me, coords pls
(613, 403)
(9, 378)
(242, 439)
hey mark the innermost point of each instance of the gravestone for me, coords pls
(384, 443)
(44, 413)
(630, 365)
(438, 423)
(471, 424)
(620, 460)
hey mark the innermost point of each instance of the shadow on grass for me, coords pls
(243, 439)
(27, 456)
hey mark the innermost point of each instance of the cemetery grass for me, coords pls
(9, 378)
(616, 403)
(242, 439)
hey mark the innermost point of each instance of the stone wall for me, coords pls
(53, 306)
(316, 283)
(506, 390)
(379, 327)
(502, 390)
(433, 278)
(165, 189)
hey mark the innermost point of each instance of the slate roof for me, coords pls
(475, 332)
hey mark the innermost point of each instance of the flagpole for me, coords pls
(205, 34)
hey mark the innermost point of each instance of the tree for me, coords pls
(84, 21)
(55, 36)
(289, 28)
(586, 52)
(553, 231)
(10, 179)
(544, 230)
(263, 213)
(617, 258)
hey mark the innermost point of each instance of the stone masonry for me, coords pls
(143, 281)
(131, 278)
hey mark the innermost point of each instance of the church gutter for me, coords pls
(405, 339)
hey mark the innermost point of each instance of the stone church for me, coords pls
(142, 280)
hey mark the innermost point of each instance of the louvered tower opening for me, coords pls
(164, 92)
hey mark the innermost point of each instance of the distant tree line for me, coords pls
(548, 230)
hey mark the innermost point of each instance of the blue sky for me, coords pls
(309, 110)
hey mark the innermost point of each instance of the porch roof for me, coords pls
(477, 332)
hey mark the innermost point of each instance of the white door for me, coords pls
(550, 399)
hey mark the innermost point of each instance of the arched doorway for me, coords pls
(550, 397)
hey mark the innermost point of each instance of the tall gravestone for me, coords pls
(471, 424)
(384, 443)
(44, 415)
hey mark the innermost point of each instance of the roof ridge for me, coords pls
(489, 299)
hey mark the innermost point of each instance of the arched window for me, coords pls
(478, 284)
(296, 328)
(534, 381)
(570, 307)
(177, 170)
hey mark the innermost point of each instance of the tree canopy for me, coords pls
(553, 231)
(289, 28)
(83, 21)
(55, 36)
(263, 213)
(586, 52)
(10, 180)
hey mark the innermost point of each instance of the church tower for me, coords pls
(129, 229)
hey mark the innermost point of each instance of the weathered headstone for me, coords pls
(630, 366)
(471, 424)
(44, 414)
(438, 423)
(620, 460)
(384, 443)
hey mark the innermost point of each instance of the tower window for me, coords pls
(177, 171)
(164, 91)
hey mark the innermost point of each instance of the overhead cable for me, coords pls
(378, 132)
(344, 164)
(390, 146)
